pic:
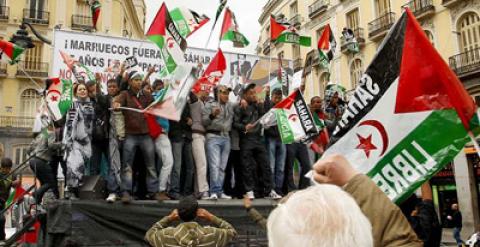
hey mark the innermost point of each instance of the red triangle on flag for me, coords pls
(227, 22)
(324, 41)
(158, 25)
(275, 28)
(426, 82)
(287, 102)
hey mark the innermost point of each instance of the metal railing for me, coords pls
(34, 16)
(317, 7)
(359, 35)
(33, 68)
(419, 7)
(381, 24)
(297, 64)
(16, 122)
(266, 47)
(81, 22)
(449, 2)
(4, 13)
(466, 62)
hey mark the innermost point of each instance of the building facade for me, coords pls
(453, 27)
(20, 83)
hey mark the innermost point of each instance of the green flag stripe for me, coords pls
(181, 23)
(235, 37)
(286, 133)
(420, 155)
(158, 40)
(294, 38)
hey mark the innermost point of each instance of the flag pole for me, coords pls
(29, 77)
(270, 64)
(474, 141)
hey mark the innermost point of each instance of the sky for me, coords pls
(247, 13)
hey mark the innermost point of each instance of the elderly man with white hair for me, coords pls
(346, 209)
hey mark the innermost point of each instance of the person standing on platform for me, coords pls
(197, 103)
(6, 182)
(189, 232)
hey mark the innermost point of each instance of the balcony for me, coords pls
(266, 47)
(296, 20)
(16, 122)
(4, 13)
(317, 8)
(297, 64)
(421, 8)
(466, 65)
(33, 69)
(3, 69)
(349, 46)
(450, 3)
(81, 22)
(33, 16)
(379, 27)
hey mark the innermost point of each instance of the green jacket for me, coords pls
(190, 234)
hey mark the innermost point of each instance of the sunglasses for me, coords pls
(223, 92)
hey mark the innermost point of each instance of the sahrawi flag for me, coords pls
(165, 35)
(293, 118)
(409, 116)
(213, 74)
(230, 30)
(187, 21)
(95, 7)
(59, 97)
(10, 50)
(326, 46)
(285, 33)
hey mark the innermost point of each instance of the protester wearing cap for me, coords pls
(217, 117)
(136, 136)
(189, 232)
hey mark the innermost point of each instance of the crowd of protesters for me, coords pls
(215, 151)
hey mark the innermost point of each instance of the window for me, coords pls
(356, 72)
(469, 30)
(29, 102)
(33, 57)
(36, 8)
(353, 19)
(324, 80)
(20, 153)
(382, 7)
(296, 51)
(293, 9)
(83, 9)
(430, 36)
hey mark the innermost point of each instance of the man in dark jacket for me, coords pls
(253, 152)
(456, 220)
(181, 138)
(276, 149)
(136, 137)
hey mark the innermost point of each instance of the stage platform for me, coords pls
(97, 223)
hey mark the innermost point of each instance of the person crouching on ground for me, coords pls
(190, 233)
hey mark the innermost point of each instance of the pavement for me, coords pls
(447, 237)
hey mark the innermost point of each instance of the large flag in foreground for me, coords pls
(59, 97)
(213, 74)
(11, 50)
(286, 33)
(230, 30)
(293, 118)
(187, 21)
(165, 35)
(409, 115)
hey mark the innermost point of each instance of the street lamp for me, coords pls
(22, 39)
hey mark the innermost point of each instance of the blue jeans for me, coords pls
(146, 146)
(278, 153)
(218, 149)
(456, 235)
